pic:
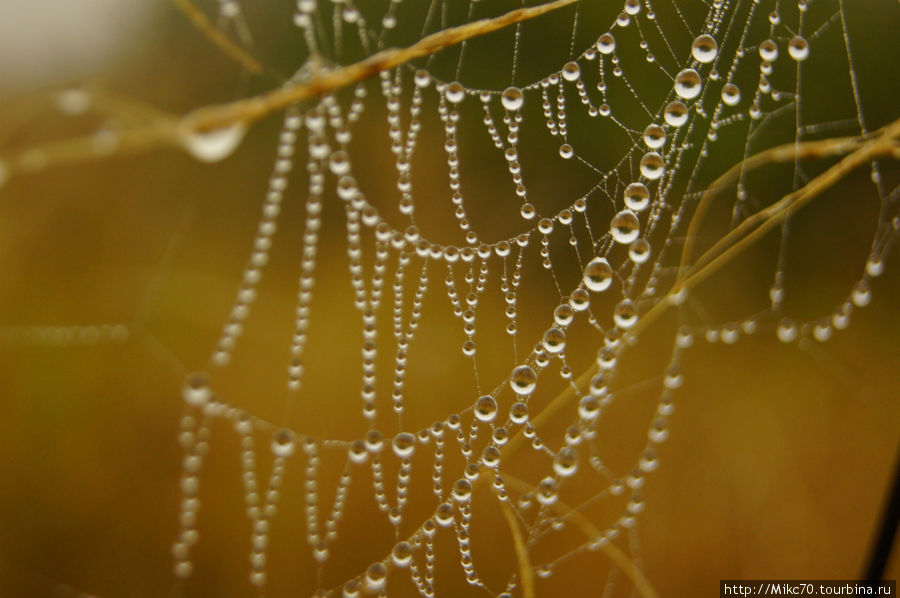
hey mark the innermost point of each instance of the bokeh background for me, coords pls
(779, 456)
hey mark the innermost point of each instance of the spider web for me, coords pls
(517, 212)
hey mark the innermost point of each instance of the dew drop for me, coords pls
(455, 92)
(704, 48)
(402, 553)
(462, 490)
(512, 98)
(798, 48)
(566, 462)
(606, 44)
(566, 152)
(196, 391)
(676, 114)
(654, 136)
(624, 227)
(731, 94)
(768, 50)
(639, 251)
(580, 300)
(376, 577)
(404, 444)
(215, 145)
(563, 314)
(554, 340)
(443, 515)
(598, 275)
(283, 444)
(625, 314)
(523, 380)
(571, 71)
(547, 492)
(637, 197)
(486, 408)
(652, 166)
(688, 84)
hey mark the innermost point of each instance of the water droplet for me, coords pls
(518, 413)
(215, 145)
(547, 492)
(580, 300)
(283, 443)
(632, 7)
(566, 151)
(639, 251)
(652, 166)
(523, 380)
(731, 94)
(554, 340)
(606, 44)
(402, 553)
(455, 92)
(444, 514)
(598, 275)
(566, 462)
(768, 50)
(563, 314)
(654, 136)
(196, 391)
(376, 577)
(571, 71)
(676, 114)
(422, 78)
(798, 48)
(462, 490)
(625, 227)
(637, 196)
(512, 98)
(688, 84)
(491, 456)
(625, 314)
(704, 48)
(404, 445)
(486, 408)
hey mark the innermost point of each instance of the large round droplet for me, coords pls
(704, 48)
(676, 114)
(731, 94)
(404, 445)
(486, 408)
(566, 462)
(606, 44)
(637, 197)
(654, 136)
(215, 145)
(798, 48)
(462, 490)
(455, 92)
(688, 84)
(554, 340)
(547, 492)
(402, 553)
(625, 227)
(652, 165)
(283, 443)
(196, 391)
(768, 50)
(571, 71)
(625, 314)
(639, 251)
(376, 577)
(598, 275)
(512, 98)
(523, 380)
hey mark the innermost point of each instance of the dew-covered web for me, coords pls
(544, 195)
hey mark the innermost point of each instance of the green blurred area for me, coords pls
(779, 456)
